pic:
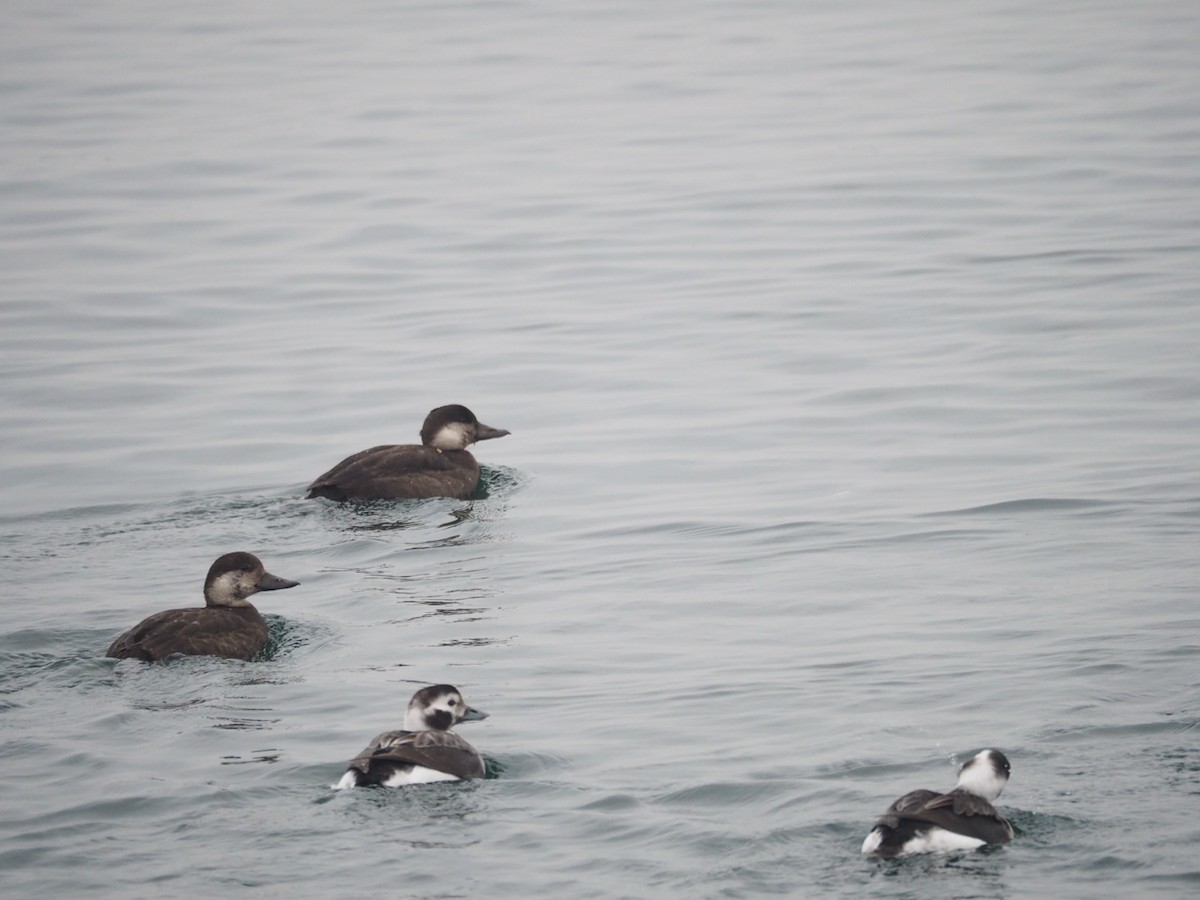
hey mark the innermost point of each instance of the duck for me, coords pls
(963, 819)
(227, 625)
(425, 750)
(440, 466)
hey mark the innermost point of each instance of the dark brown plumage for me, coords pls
(440, 466)
(227, 626)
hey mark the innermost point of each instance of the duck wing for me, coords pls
(959, 811)
(398, 472)
(443, 751)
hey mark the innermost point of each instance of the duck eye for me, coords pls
(453, 702)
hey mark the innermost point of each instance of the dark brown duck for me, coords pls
(228, 625)
(440, 466)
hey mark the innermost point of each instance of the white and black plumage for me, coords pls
(963, 819)
(440, 466)
(227, 625)
(425, 750)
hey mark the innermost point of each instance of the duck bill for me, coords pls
(270, 582)
(473, 715)
(487, 432)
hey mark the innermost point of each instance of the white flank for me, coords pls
(871, 844)
(418, 775)
(415, 775)
(939, 840)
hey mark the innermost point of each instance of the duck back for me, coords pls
(400, 472)
(229, 632)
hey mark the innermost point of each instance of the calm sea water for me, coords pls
(850, 354)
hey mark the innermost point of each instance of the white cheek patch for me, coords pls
(348, 781)
(226, 584)
(451, 437)
(871, 844)
(232, 588)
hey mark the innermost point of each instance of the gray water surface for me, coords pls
(850, 358)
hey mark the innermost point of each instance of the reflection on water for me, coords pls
(244, 723)
(258, 756)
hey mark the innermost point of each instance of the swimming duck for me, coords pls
(439, 466)
(929, 822)
(425, 750)
(226, 626)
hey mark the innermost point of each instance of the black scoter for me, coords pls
(226, 626)
(440, 466)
